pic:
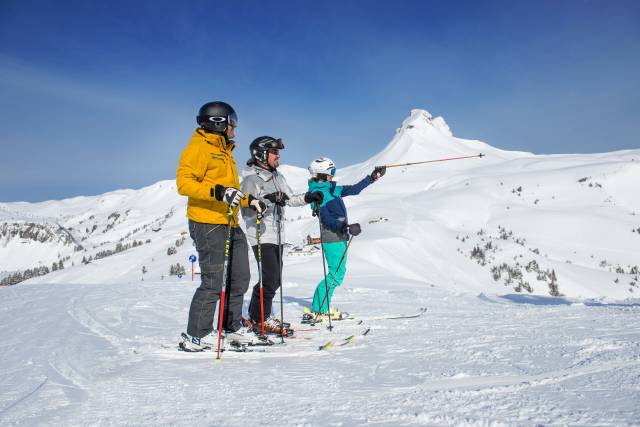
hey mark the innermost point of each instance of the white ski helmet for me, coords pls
(323, 165)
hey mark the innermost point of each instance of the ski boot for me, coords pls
(271, 327)
(193, 344)
(246, 337)
(311, 318)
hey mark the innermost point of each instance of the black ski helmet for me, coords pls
(216, 116)
(260, 147)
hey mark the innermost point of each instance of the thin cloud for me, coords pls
(30, 78)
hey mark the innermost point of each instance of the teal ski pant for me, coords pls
(333, 252)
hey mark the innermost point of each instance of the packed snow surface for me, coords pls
(527, 265)
(106, 354)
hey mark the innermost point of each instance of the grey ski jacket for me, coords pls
(260, 182)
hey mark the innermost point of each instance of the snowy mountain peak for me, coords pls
(442, 126)
(417, 115)
(423, 119)
(423, 137)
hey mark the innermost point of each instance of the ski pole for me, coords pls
(324, 268)
(225, 265)
(278, 214)
(433, 161)
(258, 224)
(333, 279)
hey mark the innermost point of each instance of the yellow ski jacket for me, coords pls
(206, 162)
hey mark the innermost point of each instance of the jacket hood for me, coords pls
(265, 174)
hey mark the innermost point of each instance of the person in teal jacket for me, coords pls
(335, 227)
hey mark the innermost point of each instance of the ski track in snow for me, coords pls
(106, 354)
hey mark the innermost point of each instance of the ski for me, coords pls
(230, 346)
(307, 319)
(233, 347)
(344, 341)
(351, 338)
(422, 311)
(264, 342)
(419, 313)
(327, 346)
(247, 348)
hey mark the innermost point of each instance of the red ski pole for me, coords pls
(224, 279)
(433, 161)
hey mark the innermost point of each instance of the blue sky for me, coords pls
(102, 95)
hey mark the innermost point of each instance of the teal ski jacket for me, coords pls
(333, 212)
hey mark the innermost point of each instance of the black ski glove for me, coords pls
(316, 196)
(378, 172)
(352, 229)
(229, 195)
(278, 198)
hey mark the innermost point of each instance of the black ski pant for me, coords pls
(210, 243)
(271, 280)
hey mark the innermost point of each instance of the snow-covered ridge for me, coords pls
(73, 229)
(422, 119)
(442, 223)
(33, 231)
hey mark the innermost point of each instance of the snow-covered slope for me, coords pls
(91, 226)
(495, 224)
(77, 354)
(480, 242)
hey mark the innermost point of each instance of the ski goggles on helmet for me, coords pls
(231, 119)
(274, 144)
(332, 171)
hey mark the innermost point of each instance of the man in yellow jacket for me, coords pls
(207, 174)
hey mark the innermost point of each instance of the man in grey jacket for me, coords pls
(262, 180)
